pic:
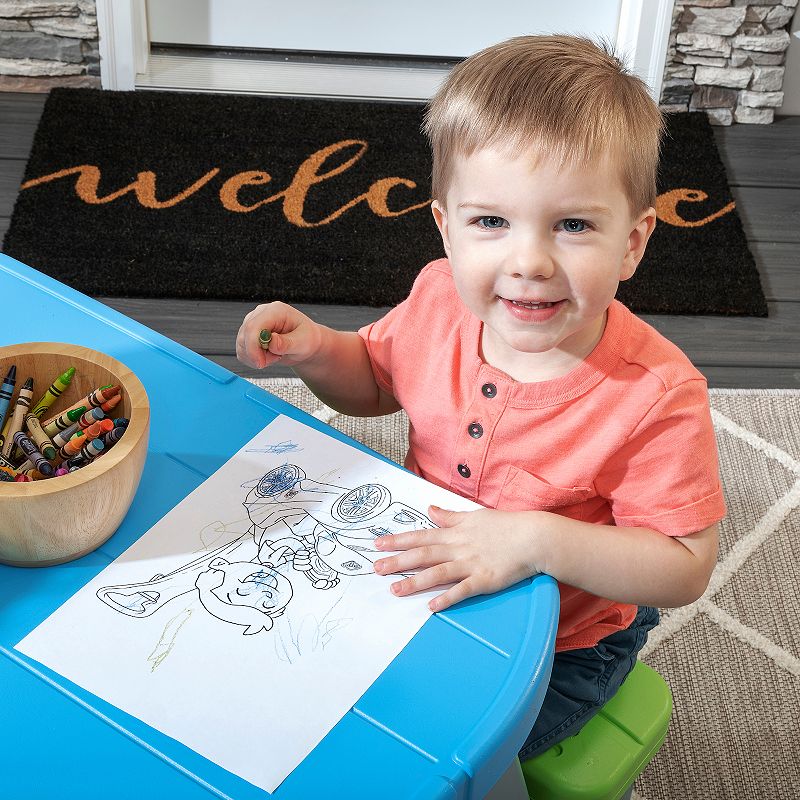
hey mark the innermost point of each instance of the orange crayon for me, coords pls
(109, 404)
(98, 428)
(73, 446)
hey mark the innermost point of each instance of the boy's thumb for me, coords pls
(280, 344)
(442, 517)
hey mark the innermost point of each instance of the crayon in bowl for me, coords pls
(74, 424)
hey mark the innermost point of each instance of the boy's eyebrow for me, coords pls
(577, 208)
(474, 204)
(589, 208)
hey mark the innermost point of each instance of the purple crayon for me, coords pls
(34, 456)
(60, 471)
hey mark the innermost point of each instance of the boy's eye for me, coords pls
(491, 223)
(574, 225)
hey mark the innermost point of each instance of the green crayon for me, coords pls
(64, 420)
(54, 391)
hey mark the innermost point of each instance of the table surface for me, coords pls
(444, 720)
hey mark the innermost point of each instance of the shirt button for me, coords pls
(464, 471)
(489, 390)
(475, 430)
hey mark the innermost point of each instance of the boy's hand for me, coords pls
(478, 551)
(295, 337)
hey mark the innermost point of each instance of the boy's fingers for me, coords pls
(455, 594)
(403, 541)
(440, 575)
(411, 559)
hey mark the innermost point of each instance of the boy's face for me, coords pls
(537, 254)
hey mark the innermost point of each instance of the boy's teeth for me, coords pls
(532, 305)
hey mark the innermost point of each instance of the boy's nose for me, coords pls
(530, 260)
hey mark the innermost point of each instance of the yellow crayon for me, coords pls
(42, 441)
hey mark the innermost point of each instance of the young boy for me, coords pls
(584, 433)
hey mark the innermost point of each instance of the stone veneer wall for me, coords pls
(45, 43)
(726, 58)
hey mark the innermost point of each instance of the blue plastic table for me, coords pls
(444, 720)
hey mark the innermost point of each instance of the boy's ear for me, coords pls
(440, 215)
(637, 242)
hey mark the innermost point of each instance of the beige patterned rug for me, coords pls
(732, 659)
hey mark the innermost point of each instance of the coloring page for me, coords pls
(248, 620)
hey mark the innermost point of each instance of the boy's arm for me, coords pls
(629, 565)
(487, 550)
(333, 364)
(340, 374)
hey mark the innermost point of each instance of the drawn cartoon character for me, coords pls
(320, 530)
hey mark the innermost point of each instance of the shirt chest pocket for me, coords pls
(523, 491)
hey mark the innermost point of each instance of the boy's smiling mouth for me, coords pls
(533, 303)
(532, 310)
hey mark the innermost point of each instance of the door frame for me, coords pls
(642, 39)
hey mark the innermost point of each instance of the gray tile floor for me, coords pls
(763, 164)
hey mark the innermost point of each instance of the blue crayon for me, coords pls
(113, 435)
(121, 422)
(6, 390)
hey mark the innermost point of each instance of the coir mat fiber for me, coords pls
(163, 194)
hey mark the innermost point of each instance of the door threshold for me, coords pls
(229, 74)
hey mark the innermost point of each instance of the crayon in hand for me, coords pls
(264, 338)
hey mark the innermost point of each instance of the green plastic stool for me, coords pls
(603, 759)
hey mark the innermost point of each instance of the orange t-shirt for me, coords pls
(623, 439)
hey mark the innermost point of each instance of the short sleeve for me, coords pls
(389, 339)
(666, 475)
(378, 337)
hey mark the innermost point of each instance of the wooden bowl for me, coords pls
(62, 518)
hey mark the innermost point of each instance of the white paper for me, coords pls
(249, 620)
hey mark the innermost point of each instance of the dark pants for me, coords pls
(584, 680)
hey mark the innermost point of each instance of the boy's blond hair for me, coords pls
(565, 97)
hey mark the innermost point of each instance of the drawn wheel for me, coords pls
(361, 503)
(279, 480)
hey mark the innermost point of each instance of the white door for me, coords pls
(291, 46)
(450, 29)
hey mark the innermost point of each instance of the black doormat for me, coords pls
(163, 194)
